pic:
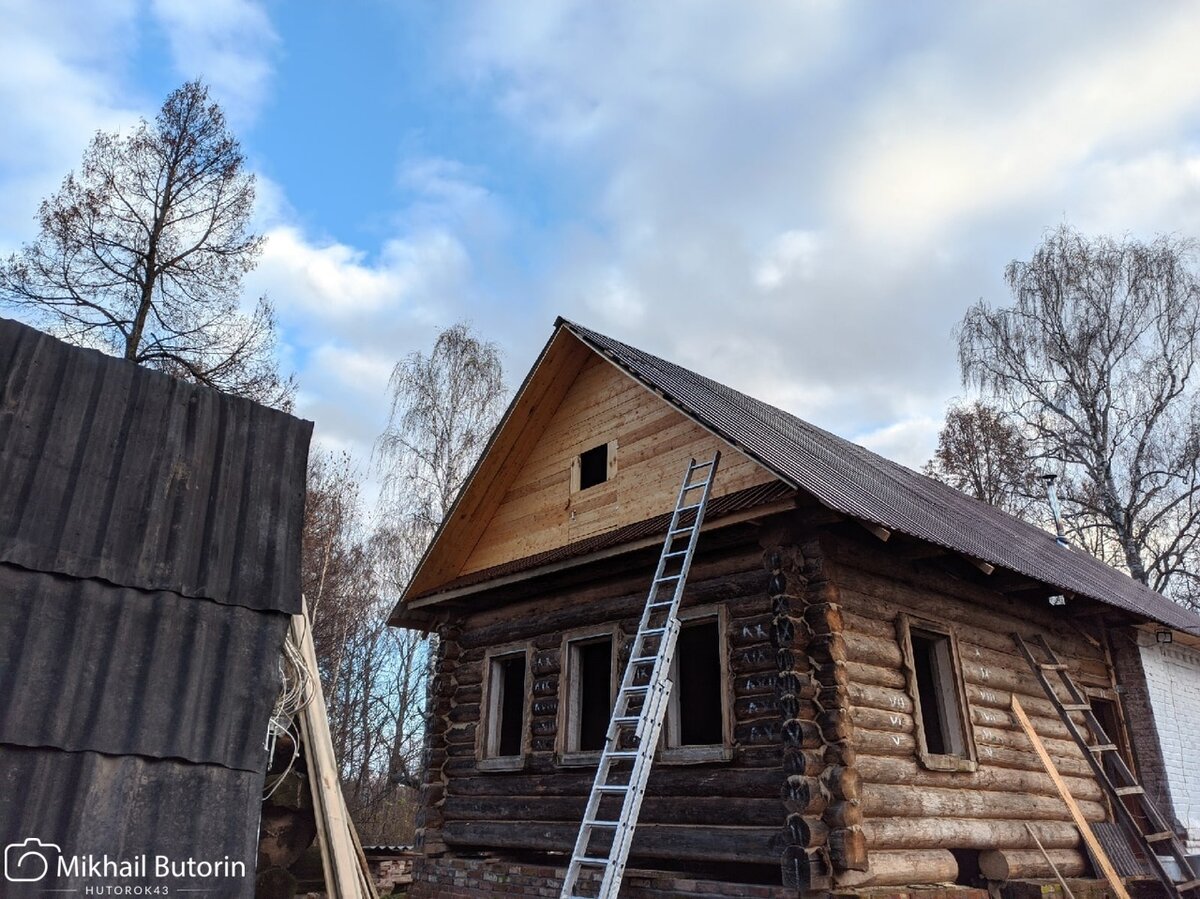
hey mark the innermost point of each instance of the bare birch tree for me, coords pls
(1094, 362)
(444, 407)
(142, 253)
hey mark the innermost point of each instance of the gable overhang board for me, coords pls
(532, 407)
(551, 374)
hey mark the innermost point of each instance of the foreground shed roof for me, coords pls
(854, 481)
(114, 471)
(149, 560)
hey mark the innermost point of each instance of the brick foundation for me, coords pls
(465, 878)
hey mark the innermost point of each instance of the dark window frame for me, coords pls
(965, 758)
(670, 750)
(609, 448)
(568, 699)
(491, 708)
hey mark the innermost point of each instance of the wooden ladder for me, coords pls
(641, 705)
(1160, 834)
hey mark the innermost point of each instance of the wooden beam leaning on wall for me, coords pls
(346, 874)
(1093, 844)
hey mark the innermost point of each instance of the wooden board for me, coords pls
(1098, 853)
(341, 852)
(540, 510)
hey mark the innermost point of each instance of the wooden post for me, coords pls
(1050, 861)
(340, 853)
(1106, 866)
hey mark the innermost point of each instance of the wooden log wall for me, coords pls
(823, 832)
(438, 731)
(912, 815)
(824, 779)
(729, 811)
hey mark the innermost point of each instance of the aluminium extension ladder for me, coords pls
(642, 700)
(1161, 834)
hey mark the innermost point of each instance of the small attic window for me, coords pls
(596, 465)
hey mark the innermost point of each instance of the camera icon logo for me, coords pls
(30, 861)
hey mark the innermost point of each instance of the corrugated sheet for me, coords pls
(113, 471)
(651, 527)
(149, 555)
(853, 480)
(91, 804)
(1115, 843)
(86, 665)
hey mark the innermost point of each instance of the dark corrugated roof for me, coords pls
(651, 527)
(86, 665)
(92, 804)
(857, 482)
(114, 471)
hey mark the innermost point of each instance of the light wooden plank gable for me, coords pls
(539, 511)
(518, 502)
(530, 412)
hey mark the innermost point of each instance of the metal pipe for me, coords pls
(1056, 510)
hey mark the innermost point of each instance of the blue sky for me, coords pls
(798, 198)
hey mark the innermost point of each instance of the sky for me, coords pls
(799, 199)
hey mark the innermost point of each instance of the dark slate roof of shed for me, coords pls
(88, 803)
(149, 555)
(113, 471)
(857, 482)
(90, 666)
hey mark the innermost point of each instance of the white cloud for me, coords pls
(59, 84)
(910, 441)
(346, 316)
(792, 255)
(802, 199)
(931, 153)
(230, 44)
(334, 281)
(1154, 191)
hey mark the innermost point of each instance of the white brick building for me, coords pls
(1173, 679)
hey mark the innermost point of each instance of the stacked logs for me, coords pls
(543, 707)
(439, 702)
(462, 694)
(914, 814)
(827, 656)
(822, 832)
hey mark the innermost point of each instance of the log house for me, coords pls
(840, 718)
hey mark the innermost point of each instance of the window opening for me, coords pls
(937, 693)
(592, 692)
(593, 467)
(508, 675)
(698, 684)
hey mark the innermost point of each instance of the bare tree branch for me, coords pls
(1093, 364)
(142, 254)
